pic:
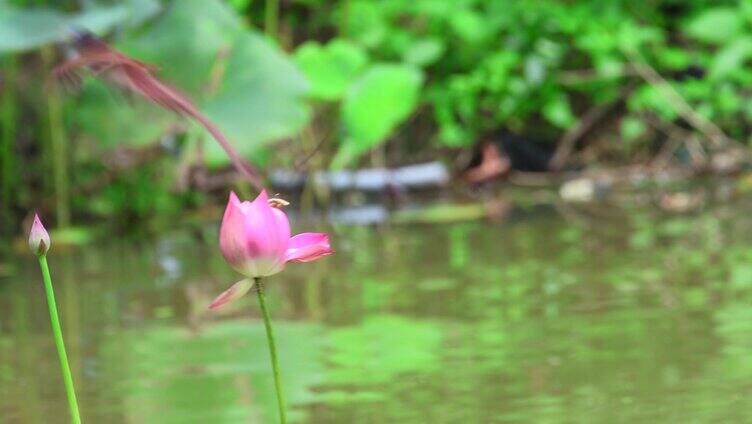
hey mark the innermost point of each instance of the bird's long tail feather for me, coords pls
(169, 98)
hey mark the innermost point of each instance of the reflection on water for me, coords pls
(627, 317)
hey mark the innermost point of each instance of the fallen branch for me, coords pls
(584, 76)
(710, 130)
(573, 135)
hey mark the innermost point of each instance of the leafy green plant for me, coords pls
(382, 98)
(406, 77)
(540, 67)
(374, 97)
(330, 68)
(243, 82)
(23, 29)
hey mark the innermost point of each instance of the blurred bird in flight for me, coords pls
(138, 77)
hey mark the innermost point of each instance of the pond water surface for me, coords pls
(598, 316)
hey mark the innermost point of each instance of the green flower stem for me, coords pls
(344, 18)
(7, 139)
(271, 18)
(272, 350)
(56, 142)
(58, 333)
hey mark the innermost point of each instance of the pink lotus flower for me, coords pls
(255, 240)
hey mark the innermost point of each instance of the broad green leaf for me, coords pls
(453, 135)
(649, 98)
(106, 119)
(186, 41)
(239, 5)
(731, 57)
(745, 8)
(468, 25)
(261, 99)
(381, 99)
(675, 58)
(535, 70)
(631, 128)
(609, 66)
(366, 24)
(728, 100)
(258, 95)
(332, 68)
(630, 36)
(26, 29)
(424, 51)
(558, 112)
(716, 25)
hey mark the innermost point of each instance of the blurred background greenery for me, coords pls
(357, 82)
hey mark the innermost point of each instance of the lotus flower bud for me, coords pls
(39, 239)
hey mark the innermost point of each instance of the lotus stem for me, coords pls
(59, 343)
(7, 140)
(271, 18)
(344, 18)
(58, 146)
(272, 350)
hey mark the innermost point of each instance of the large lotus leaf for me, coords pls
(185, 42)
(259, 95)
(331, 68)
(261, 98)
(25, 29)
(107, 118)
(373, 107)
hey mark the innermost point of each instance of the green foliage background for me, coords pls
(421, 77)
